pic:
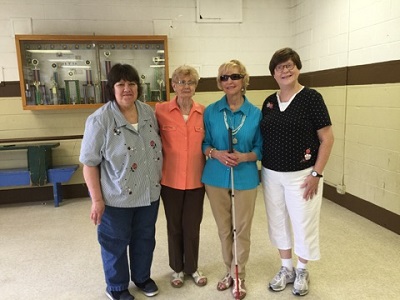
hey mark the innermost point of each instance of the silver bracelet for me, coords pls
(209, 153)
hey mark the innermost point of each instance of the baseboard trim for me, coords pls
(368, 210)
(41, 194)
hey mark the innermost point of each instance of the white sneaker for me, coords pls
(300, 286)
(281, 279)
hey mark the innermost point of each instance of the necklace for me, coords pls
(234, 130)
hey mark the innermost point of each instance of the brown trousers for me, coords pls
(221, 206)
(184, 213)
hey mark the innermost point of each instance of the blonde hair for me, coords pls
(228, 66)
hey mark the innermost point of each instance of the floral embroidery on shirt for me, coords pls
(117, 131)
(307, 155)
(270, 105)
(153, 144)
(134, 167)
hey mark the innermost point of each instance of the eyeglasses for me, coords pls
(184, 83)
(232, 76)
(288, 66)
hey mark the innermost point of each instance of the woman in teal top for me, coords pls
(232, 111)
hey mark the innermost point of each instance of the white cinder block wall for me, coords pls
(327, 34)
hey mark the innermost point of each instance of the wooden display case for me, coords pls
(70, 71)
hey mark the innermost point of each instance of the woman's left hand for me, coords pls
(310, 186)
(226, 158)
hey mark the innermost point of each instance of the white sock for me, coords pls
(301, 265)
(287, 263)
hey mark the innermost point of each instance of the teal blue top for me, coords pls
(248, 140)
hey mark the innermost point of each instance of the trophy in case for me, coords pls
(39, 90)
(54, 89)
(89, 94)
(72, 92)
(107, 64)
(159, 94)
(145, 89)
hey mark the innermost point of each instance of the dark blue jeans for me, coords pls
(123, 231)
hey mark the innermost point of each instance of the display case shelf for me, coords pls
(70, 71)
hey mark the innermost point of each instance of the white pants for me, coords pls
(288, 211)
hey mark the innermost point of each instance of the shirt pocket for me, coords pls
(168, 131)
(199, 129)
(168, 128)
(199, 133)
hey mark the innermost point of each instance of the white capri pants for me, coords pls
(288, 211)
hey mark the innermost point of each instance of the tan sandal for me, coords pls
(225, 283)
(177, 279)
(239, 293)
(199, 278)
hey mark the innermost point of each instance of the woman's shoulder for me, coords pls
(212, 106)
(144, 107)
(102, 117)
(199, 106)
(309, 95)
(103, 111)
(162, 106)
(272, 97)
(309, 91)
(251, 107)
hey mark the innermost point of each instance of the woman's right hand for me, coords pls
(97, 211)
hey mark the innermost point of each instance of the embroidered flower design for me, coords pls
(270, 105)
(134, 167)
(153, 144)
(117, 131)
(307, 155)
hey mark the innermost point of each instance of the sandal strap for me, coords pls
(198, 276)
(225, 282)
(242, 290)
(178, 276)
(227, 278)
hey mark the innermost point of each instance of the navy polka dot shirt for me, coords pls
(290, 140)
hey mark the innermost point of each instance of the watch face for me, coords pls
(315, 174)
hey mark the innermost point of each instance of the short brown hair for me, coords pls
(283, 55)
(122, 72)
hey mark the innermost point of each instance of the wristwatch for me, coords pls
(315, 174)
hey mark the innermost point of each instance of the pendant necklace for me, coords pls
(234, 130)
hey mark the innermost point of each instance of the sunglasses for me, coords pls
(232, 76)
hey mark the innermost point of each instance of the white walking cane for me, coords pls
(237, 294)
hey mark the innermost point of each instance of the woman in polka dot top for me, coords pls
(297, 141)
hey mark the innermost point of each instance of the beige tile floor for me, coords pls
(52, 253)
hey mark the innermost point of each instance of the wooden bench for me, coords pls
(55, 175)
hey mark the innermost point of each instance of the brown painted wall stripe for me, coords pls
(10, 89)
(377, 73)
